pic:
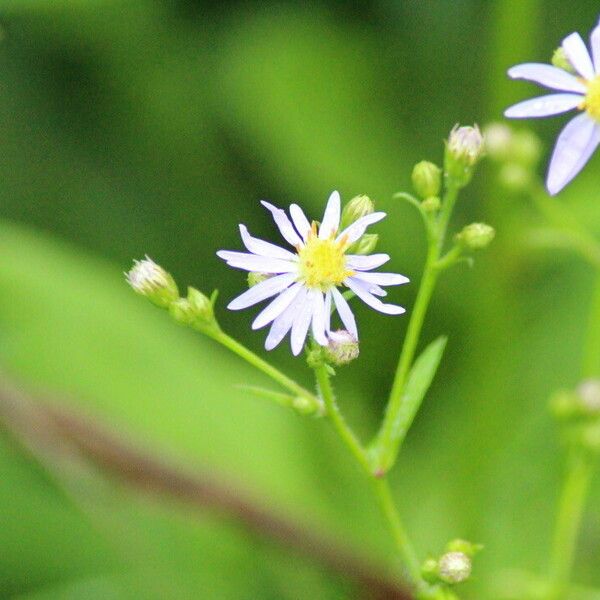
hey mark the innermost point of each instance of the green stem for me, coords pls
(591, 358)
(268, 369)
(403, 544)
(381, 486)
(337, 419)
(385, 446)
(570, 513)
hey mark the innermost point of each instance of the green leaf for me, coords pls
(420, 378)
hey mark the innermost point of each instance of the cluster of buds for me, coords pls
(516, 152)
(452, 567)
(152, 281)
(578, 411)
(427, 183)
(475, 236)
(464, 149)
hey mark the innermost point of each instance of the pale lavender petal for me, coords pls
(319, 319)
(331, 217)
(574, 146)
(595, 43)
(345, 312)
(382, 278)
(328, 311)
(357, 262)
(261, 291)
(283, 323)
(375, 289)
(300, 221)
(578, 55)
(262, 248)
(301, 324)
(252, 262)
(283, 223)
(275, 308)
(368, 298)
(355, 231)
(544, 106)
(548, 76)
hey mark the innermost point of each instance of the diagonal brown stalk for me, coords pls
(54, 434)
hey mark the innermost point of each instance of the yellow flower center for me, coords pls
(322, 261)
(591, 102)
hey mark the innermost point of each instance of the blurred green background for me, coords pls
(132, 127)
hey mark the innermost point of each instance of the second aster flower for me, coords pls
(305, 280)
(580, 137)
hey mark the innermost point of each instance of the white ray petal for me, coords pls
(355, 231)
(327, 311)
(365, 263)
(574, 146)
(301, 323)
(283, 323)
(283, 223)
(252, 262)
(376, 290)
(578, 55)
(300, 221)
(319, 319)
(345, 312)
(544, 106)
(262, 248)
(368, 298)
(261, 291)
(548, 76)
(331, 216)
(595, 43)
(275, 308)
(382, 278)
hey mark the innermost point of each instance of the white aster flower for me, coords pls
(580, 137)
(305, 281)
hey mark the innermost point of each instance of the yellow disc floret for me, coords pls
(322, 261)
(591, 102)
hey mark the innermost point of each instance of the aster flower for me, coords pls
(305, 281)
(580, 137)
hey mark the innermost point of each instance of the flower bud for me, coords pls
(560, 60)
(255, 277)
(365, 245)
(201, 305)
(427, 179)
(182, 311)
(358, 207)
(429, 570)
(431, 204)
(498, 141)
(454, 567)
(514, 177)
(342, 348)
(476, 236)
(151, 280)
(464, 546)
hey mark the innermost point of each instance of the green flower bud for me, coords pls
(255, 277)
(151, 280)
(454, 567)
(201, 305)
(365, 245)
(464, 149)
(476, 236)
(342, 348)
(429, 570)
(431, 204)
(514, 177)
(182, 311)
(526, 148)
(560, 60)
(427, 179)
(498, 141)
(358, 207)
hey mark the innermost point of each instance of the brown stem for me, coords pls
(55, 434)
